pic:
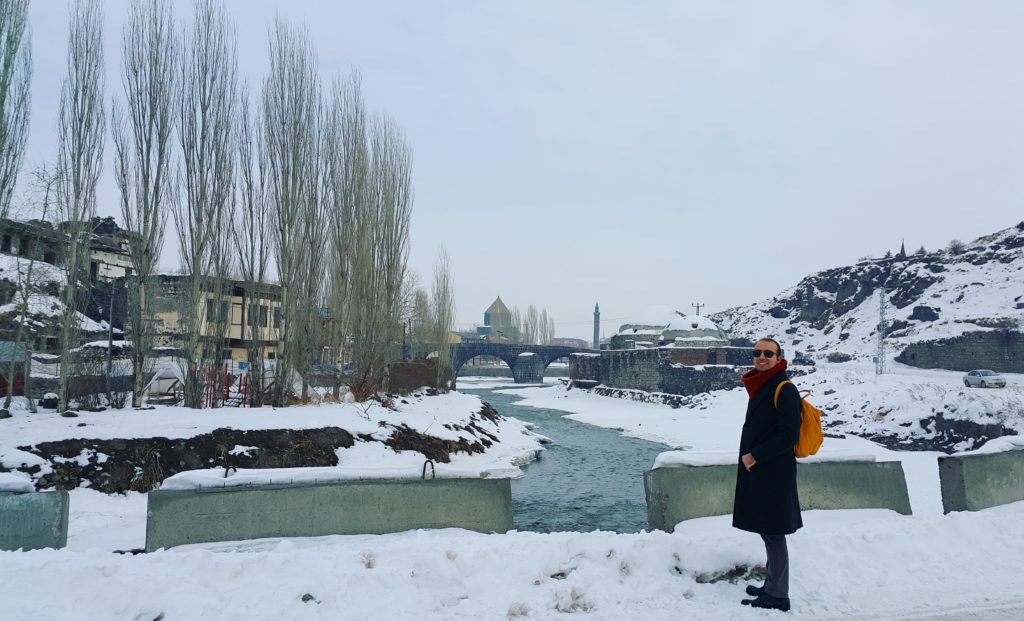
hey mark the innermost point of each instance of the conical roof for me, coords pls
(498, 308)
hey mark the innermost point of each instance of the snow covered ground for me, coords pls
(867, 564)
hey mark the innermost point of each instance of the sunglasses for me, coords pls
(766, 352)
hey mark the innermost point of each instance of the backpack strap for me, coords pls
(778, 389)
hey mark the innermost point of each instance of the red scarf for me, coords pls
(754, 379)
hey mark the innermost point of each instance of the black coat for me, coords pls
(766, 497)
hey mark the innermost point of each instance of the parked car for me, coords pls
(803, 360)
(985, 379)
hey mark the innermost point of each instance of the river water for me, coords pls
(588, 478)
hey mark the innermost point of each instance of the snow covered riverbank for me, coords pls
(867, 564)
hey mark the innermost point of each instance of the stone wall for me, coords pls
(999, 350)
(653, 370)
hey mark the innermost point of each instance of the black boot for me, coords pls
(756, 591)
(767, 601)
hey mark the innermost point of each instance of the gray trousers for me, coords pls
(777, 584)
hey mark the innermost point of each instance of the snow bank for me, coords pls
(15, 482)
(866, 564)
(729, 458)
(216, 477)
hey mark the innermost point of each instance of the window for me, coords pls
(277, 317)
(264, 311)
(50, 257)
(94, 270)
(210, 310)
(5, 245)
(271, 355)
(236, 314)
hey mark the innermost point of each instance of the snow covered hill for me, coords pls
(932, 295)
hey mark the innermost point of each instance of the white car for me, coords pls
(985, 379)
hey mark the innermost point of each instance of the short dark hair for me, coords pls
(771, 340)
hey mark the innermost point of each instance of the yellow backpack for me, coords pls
(811, 436)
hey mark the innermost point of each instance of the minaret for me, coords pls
(597, 327)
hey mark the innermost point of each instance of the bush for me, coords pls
(838, 356)
(956, 247)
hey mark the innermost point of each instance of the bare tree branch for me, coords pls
(143, 163)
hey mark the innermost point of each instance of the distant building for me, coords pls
(44, 241)
(660, 326)
(570, 342)
(222, 307)
(497, 326)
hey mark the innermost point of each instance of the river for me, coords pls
(588, 478)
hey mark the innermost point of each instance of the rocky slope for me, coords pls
(971, 287)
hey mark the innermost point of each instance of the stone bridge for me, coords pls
(527, 362)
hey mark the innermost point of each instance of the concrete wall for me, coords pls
(973, 482)
(33, 520)
(682, 493)
(999, 350)
(339, 508)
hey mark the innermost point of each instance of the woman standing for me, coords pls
(766, 496)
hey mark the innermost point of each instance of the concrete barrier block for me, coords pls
(974, 482)
(682, 492)
(177, 517)
(33, 520)
(853, 485)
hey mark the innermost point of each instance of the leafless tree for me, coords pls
(346, 169)
(79, 160)
(15, 94)
(44, 181)
(442, 302)
(208, 105)
(143, 162)
(381, 207)
(291, 119)
(531, 325)
(254, 246)
(517, 325)
(421, 325)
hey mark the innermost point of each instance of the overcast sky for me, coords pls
(634, 154)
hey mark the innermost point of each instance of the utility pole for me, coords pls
(880, 354)
(698, 306)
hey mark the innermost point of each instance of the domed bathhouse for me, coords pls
(666, 351)
(661, 326)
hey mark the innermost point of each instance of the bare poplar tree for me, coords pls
(79, 161)
(517, 325)
(421, 325)
(379, 253)
(15, 94)
(346, 170)
(442, 303)
(291, 94)
(531, 325)
(143, 162)
(209, 89)
(252, 239)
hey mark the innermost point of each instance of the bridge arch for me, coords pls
(527, 362)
